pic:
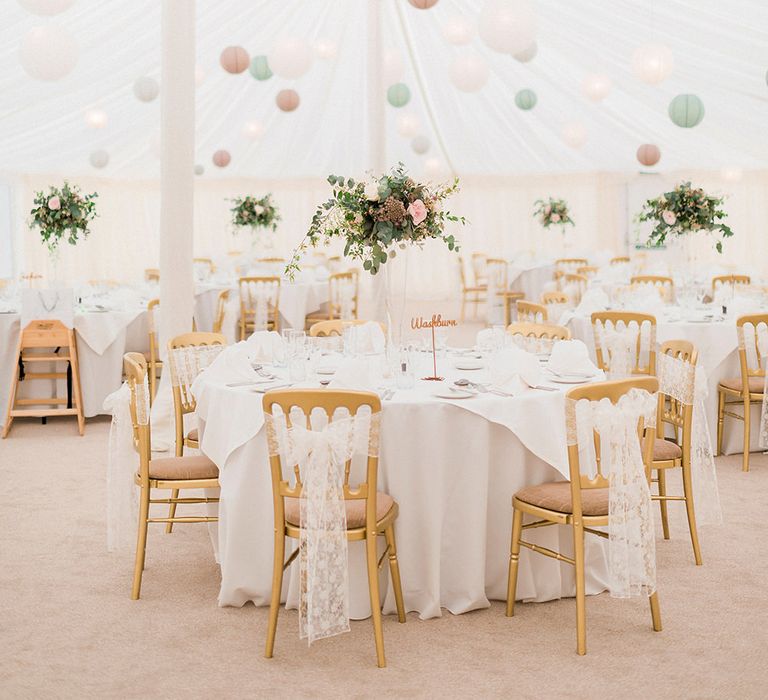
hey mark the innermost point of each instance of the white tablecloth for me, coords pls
(451, 465)
(530, 279)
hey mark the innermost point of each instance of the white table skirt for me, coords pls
(532, 281)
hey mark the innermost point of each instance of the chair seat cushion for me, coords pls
(556, 495)
(193, 435)
(355, 510)
(756, 384)
(181, 468)
(664, 450)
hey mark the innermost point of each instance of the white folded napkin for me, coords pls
(571, 357)
(644, 299)
(265, 346)
(594, 299)
(354, 373)
(233, 364)
(368, 338)
(513, 370)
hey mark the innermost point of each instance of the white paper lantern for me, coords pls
(527, 54)
(291, 57)
(458, 30)
(469, 72)
(408, 125)
(48, 53)
(392, 67)
(199, 169)
(731, 174)
(146, 89)
(652, 63)
(574, 134)
(507, 26)
(99, 159)
(326, 48)
(46, 8)
(96, 118)
(420, 144)
(253, 130)
(596, 86)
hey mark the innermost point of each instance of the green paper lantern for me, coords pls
(686, 111)
(398, 95)
(525, 99)
(259, 68)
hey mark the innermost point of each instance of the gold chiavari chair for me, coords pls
(619, 260)
(234, 253)
(479, 269)
(169, 473)
(581, 503)
(747, 388)
(589, 271)
(101, 283)
(620, 321)
(730, 281)
(188, 355)
(496, 279)
(665, 285)
(334, 263)
(475, 295)
(272, 261)
(673, 453)
(324, 329)
(151, 274)
(370, 513)
(250, 289)
(221, 308)
(570, 264)
(539, 330)
(548, 298)
(206, 263)
(510, 302)
(530, 312)
(575, 284)
(343, 291)
(154, 363)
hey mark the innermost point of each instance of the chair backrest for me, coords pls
(643, 359)
(574, 285)
(204, 263)
(730, 280)
(287, 478)
(272, 260)
(257, 290)
(152, 274)
(619, 260)
(530, 312)
(752, 332)
(539, 330)
(588, 271)
(323, 329)
(221, 307)
(234, 253)
(342, 295)
(462, 273)
(664, 285)
(554, 298)
(48, 333)
(135, 368)
(496, 273)
(334, 263)
(479, 271)
(677, 384)
(570, 264)
(188, 355)
(611, 391)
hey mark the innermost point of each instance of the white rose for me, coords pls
(258, 209)
(372, 191)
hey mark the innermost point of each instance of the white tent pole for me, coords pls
(177, 132)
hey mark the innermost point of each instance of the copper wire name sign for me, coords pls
(437, 321)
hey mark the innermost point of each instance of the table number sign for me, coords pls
(437, 321)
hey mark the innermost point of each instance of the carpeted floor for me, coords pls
(68, 628)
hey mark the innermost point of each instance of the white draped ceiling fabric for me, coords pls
(506, 156)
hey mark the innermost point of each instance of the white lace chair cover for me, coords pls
(687, 383)
(322, 455)
(530, 343)
(631, 537)
(344, 298)
(619, 345)
(187, 362)
(556, 310)
(262, 297)
(753, 340)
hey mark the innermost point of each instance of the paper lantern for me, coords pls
(407, 125)
(398, 95)
(290, 58)
(652, 63)
(469, 72)
(259, 68)
(458, 30)
(528, 54)
(325, 48)
(46, 8)
(221, 159)
(525, 99)
(596, 86)
(423, 4)
(686, 111)
(420, 144)
(96, 118)
(199, 169)
(199, 76)
(234, 59)
(146, 89)
(253, 130)
(287, 100)
(392, 67)
(507, 26)
(99, 159)
(48, 53)
(648, 154)
(574, 134)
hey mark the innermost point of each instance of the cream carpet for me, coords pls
(68, 628)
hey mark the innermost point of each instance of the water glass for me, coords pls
(405, 370)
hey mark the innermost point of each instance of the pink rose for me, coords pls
(669, 217)
(547, 209)
(555, 218)
(418, 211)
(54, 203)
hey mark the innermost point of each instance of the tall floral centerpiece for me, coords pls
(256, 215)
(62, 214)
(553, 212)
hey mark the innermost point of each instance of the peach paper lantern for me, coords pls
(96, 118)
(221, 159)
(648, 154)
(423, 4)
(287, 100)
(234, 59)
(48, 53)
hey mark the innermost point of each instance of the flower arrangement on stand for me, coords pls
(553, 212)
(254, 214)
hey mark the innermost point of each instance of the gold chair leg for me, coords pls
(277, 587)
(463, 304)
(373, 588)
(171, 512)
(141, 544)
(581, 610)
(514, 560)
(662, 503)
(394, 572)
(720, 418)
(747, 426)
(689, 509)
(655, 611)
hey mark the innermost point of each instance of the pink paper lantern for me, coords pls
(234, 59)
(287, 100)
(423, 4)
(221, 159)
(648, 154)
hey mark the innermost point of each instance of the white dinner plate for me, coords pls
(468, 364)
(326, 370)
(449, 394)
(565, 379)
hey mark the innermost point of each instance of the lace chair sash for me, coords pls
(620, 347)
(186, 363)
(322, 458)
(262, 296)
(753, 340)
(631, 537)
(530, 343)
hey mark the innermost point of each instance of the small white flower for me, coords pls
(372, 191)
